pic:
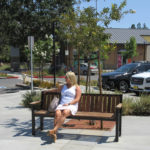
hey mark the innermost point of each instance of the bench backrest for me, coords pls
(88, 102)
(46, 99)
(99, 102)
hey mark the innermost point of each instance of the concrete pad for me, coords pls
(15, 131)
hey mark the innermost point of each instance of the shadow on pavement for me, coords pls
(11, 90)
(25, 129)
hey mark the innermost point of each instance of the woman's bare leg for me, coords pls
(65, 113)
(58, 114)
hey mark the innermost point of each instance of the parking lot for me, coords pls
(9, 86)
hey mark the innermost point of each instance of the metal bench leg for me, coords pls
(101, 124)
(120, 122)
(33, 123)
(117, 127)
(41, 123)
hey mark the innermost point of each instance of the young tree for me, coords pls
(42, 52)
(85, 32)
(130, 49)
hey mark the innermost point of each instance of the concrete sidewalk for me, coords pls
(15, 131)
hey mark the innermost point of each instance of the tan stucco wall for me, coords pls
(111, 62)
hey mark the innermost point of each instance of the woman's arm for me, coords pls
(55, 89)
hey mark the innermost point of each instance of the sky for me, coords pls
(142, 15)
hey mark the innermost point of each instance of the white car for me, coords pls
(84, 69)
(140, 83)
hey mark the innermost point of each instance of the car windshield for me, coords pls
(126, 68)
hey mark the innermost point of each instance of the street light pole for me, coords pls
(54, 53)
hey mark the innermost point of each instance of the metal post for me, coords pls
(54, 56)
(31, 44)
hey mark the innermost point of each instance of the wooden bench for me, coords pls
(101, 107)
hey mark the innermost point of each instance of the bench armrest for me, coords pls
(119, 106)
(35, 103)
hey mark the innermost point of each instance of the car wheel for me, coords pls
(137, 93)
(112, 84)
(123, 86)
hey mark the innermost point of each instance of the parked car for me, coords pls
(84, 69)
(120, 78)
(140, 83)
(58, 68)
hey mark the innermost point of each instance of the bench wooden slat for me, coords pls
(92, 103)
(113, 104)
(88, 103)
(94, 114)
(96, 104)
(100, 104)
(105, 104)
(83, 103)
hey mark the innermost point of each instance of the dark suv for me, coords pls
(120, 78)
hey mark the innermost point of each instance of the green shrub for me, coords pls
(139, 107)
(127, 106)
(36, 83)
(142, 106)
(29, 97)
(46, 84)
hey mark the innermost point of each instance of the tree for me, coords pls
(130, 49)
(84, 31)
(144, 26)
(22, 18)
(133, 26)
(139, 26)
(43, 52)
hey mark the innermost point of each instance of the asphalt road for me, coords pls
(9, 86)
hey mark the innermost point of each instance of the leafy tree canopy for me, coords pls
(22, 18)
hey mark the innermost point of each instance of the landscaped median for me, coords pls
(49, 77)
(6, 76)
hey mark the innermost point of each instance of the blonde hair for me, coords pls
(72, 77)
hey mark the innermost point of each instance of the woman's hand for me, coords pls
(66, 104)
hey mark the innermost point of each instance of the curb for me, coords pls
(50, 77)
(9, 77)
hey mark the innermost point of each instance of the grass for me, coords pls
(4, 75)
(5, 67)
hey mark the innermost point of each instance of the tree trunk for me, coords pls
(42, 72)
(78, 68)
(89, 73)
(99, 71)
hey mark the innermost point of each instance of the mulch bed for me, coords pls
(84, 124)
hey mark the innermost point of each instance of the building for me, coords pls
(120, 37)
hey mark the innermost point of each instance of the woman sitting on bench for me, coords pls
(70, 96)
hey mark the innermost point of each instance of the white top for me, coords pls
(67, 95)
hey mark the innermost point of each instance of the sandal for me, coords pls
(52, 133)
(54, 136)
